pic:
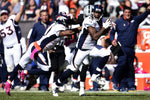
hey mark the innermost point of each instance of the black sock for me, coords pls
(83, 73)
(64, 76)
(15, 72)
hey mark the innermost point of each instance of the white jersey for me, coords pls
(8, 32)
(85, 40)
(51, 37)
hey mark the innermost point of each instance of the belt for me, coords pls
(9, 47)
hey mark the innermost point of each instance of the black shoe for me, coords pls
(94, 89)
(43, 88)
(75, 86)
(115, 87)
(123, 90)
(83, 95)
(32, 82)
(131, 89)
(3, 85)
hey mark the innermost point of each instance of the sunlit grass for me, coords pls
(90, 95)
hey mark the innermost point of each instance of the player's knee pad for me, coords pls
(10, 68)
(98, 69)
(22, 64)
(44, 67)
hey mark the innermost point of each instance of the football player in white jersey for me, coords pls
(53, 35)
(87, 39)
(9, 35)
(97, 14)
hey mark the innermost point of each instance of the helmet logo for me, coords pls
(98, 10)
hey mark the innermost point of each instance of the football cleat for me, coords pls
(54, 90)
(7, 88)
(22, 76)
(62, 88)
(95, 78)
(123, 90)
(115, 87)
(106, 86)
(81, 92)
(75, 87)
(132, 89)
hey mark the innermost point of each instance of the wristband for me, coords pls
(21, 2)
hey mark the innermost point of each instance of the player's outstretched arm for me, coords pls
(18, 16)
(66, 33)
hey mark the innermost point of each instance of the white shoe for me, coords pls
(74, 89)
(81, 92)
(101, 81)
(106, 86)
(96, 78)
(17, 87)
(23, 88)
(54, 87)
(62, 88)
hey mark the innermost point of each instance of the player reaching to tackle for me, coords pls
(52, 36)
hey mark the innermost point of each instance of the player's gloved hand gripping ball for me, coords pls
(107, 24)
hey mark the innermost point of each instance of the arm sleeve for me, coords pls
(33, 36)
(112, 34)
(59, 29)
(141, 17)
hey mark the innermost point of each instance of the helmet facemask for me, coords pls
(88, 11)
(83, 3)
(99, 10)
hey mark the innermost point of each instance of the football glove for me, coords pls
(107, 24)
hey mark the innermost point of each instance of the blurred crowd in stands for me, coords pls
(112, 8)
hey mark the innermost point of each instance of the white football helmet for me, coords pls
(88, 10)
(83, 3)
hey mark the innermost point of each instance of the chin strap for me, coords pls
(98, 18)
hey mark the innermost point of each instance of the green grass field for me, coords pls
(91, 95)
